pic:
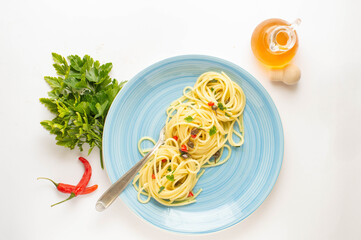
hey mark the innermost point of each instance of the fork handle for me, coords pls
(118, 187)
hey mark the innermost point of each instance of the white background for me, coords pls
(318, 192)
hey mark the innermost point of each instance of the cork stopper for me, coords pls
(289, 75)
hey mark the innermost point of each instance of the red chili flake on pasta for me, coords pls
(211, 104)
(175, 138)
(190, 194)
(184, 148)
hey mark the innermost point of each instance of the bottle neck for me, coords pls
(282, 38)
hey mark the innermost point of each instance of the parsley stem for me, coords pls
(101, 157)
(95, 135)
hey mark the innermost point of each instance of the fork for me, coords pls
(117, 188)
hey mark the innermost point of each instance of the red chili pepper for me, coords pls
(184, 148)
(80, 187)
(164, 160)
(194, 136)
(153, 176)
(90, 189)
(85, 178)
(175, 138)
(190, 194)
(67, 188)
(210, 104)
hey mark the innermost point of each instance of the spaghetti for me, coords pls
(197, 128)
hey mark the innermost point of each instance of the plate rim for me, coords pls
(254, 81)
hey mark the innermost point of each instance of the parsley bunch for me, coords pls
(80, 98)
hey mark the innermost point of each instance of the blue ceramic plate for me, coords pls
(231, 191)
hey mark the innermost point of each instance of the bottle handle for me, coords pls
(277, 48)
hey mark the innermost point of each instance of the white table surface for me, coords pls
(317, 194)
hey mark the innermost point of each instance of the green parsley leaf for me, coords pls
(50, 104)
(75, 62)
(212, 131)
(169, 169)
(161, 189)
(221, 107)
(80, 98)
(59, 59)
(212, 89)
(189, 119)
(47, 125)
(53, 82)
(92, 75)
(61, 70)
(227, 114)
(170, 177)
(101, 108)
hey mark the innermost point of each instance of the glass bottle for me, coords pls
(274, 42)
